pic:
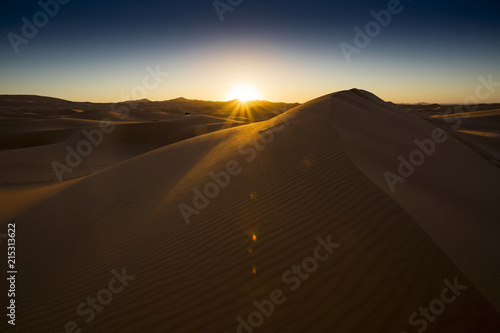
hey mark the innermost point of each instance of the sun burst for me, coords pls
(244, 93)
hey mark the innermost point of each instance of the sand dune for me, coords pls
(478, 128)
(439, 191)
(37, 131)
(273, 193)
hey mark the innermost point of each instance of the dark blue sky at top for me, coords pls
(438, 31)
(104, 23)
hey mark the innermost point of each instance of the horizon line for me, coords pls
(225, 101)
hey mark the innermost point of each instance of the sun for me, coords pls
(244, 93)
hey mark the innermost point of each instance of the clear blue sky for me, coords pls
(432, 51)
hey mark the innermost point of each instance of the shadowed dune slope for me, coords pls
(453, 194)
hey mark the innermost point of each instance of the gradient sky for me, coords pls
(432, 51)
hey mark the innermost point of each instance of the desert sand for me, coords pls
(278, 183)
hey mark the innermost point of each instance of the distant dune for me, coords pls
(344, 214)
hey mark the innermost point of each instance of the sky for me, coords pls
(289, 51)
